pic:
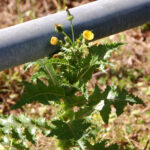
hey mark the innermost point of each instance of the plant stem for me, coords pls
(18, 11)
(10, 144)
(59, 5)
(68, 37)
(64, 3)
(49, 73)
(72, 30)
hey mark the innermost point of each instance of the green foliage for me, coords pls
(145, 27)
(119, 99)
(17, 132)
(40, 92)
(69, 130)
(63, 79)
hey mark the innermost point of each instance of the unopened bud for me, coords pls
(59, 28)
(70, 18)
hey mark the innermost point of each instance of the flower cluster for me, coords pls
(86, 36)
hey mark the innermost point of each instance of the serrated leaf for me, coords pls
(21, 129)
(93, 100)
(5, 140)
(72, 101)
(17, 133)
(28, 65)
(106, 110)
(79, 127)
(61, 130)
(39, 92)
(118, 98)
(97, 96)
(23, 119)
(3, 122)
(41, 122)
(6, 130)
(38, 75)
(101, 50)
(72, 130)
(30, 133)
(86, 74)
(20, 145)
(46, 132)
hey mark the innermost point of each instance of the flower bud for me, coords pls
(61, 55)
(59, 28)
(55, 56)
(70, 18)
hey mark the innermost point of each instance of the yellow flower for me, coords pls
(54, 41)
(88, 35)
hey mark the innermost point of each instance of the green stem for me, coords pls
(67, 37)
(64, 3)
(10, 144)
(72, 30)
(59, 5)
(19, 12)
(49, 73)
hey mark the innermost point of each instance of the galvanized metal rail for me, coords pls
(29, 41)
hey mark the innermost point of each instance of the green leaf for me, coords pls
(97, 96)
(6, 130)
(23, 119)
(61, 130)
(5, 140)
(41, 122)
(28, 65)
(39, 92)
(72, 101)
(93, 100)
(30, 133)
(46, 70)
(20, 145)
(17, 133)
(101, 50)
(38, 75)
(21, 129)
(86, 73)
(72, 130)
(118, 98)
(51, 73)
(106, 110)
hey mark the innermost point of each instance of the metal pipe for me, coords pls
(29, 41)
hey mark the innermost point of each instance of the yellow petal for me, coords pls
(54, 41)
(88, 35)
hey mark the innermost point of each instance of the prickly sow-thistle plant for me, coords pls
(62, 81)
